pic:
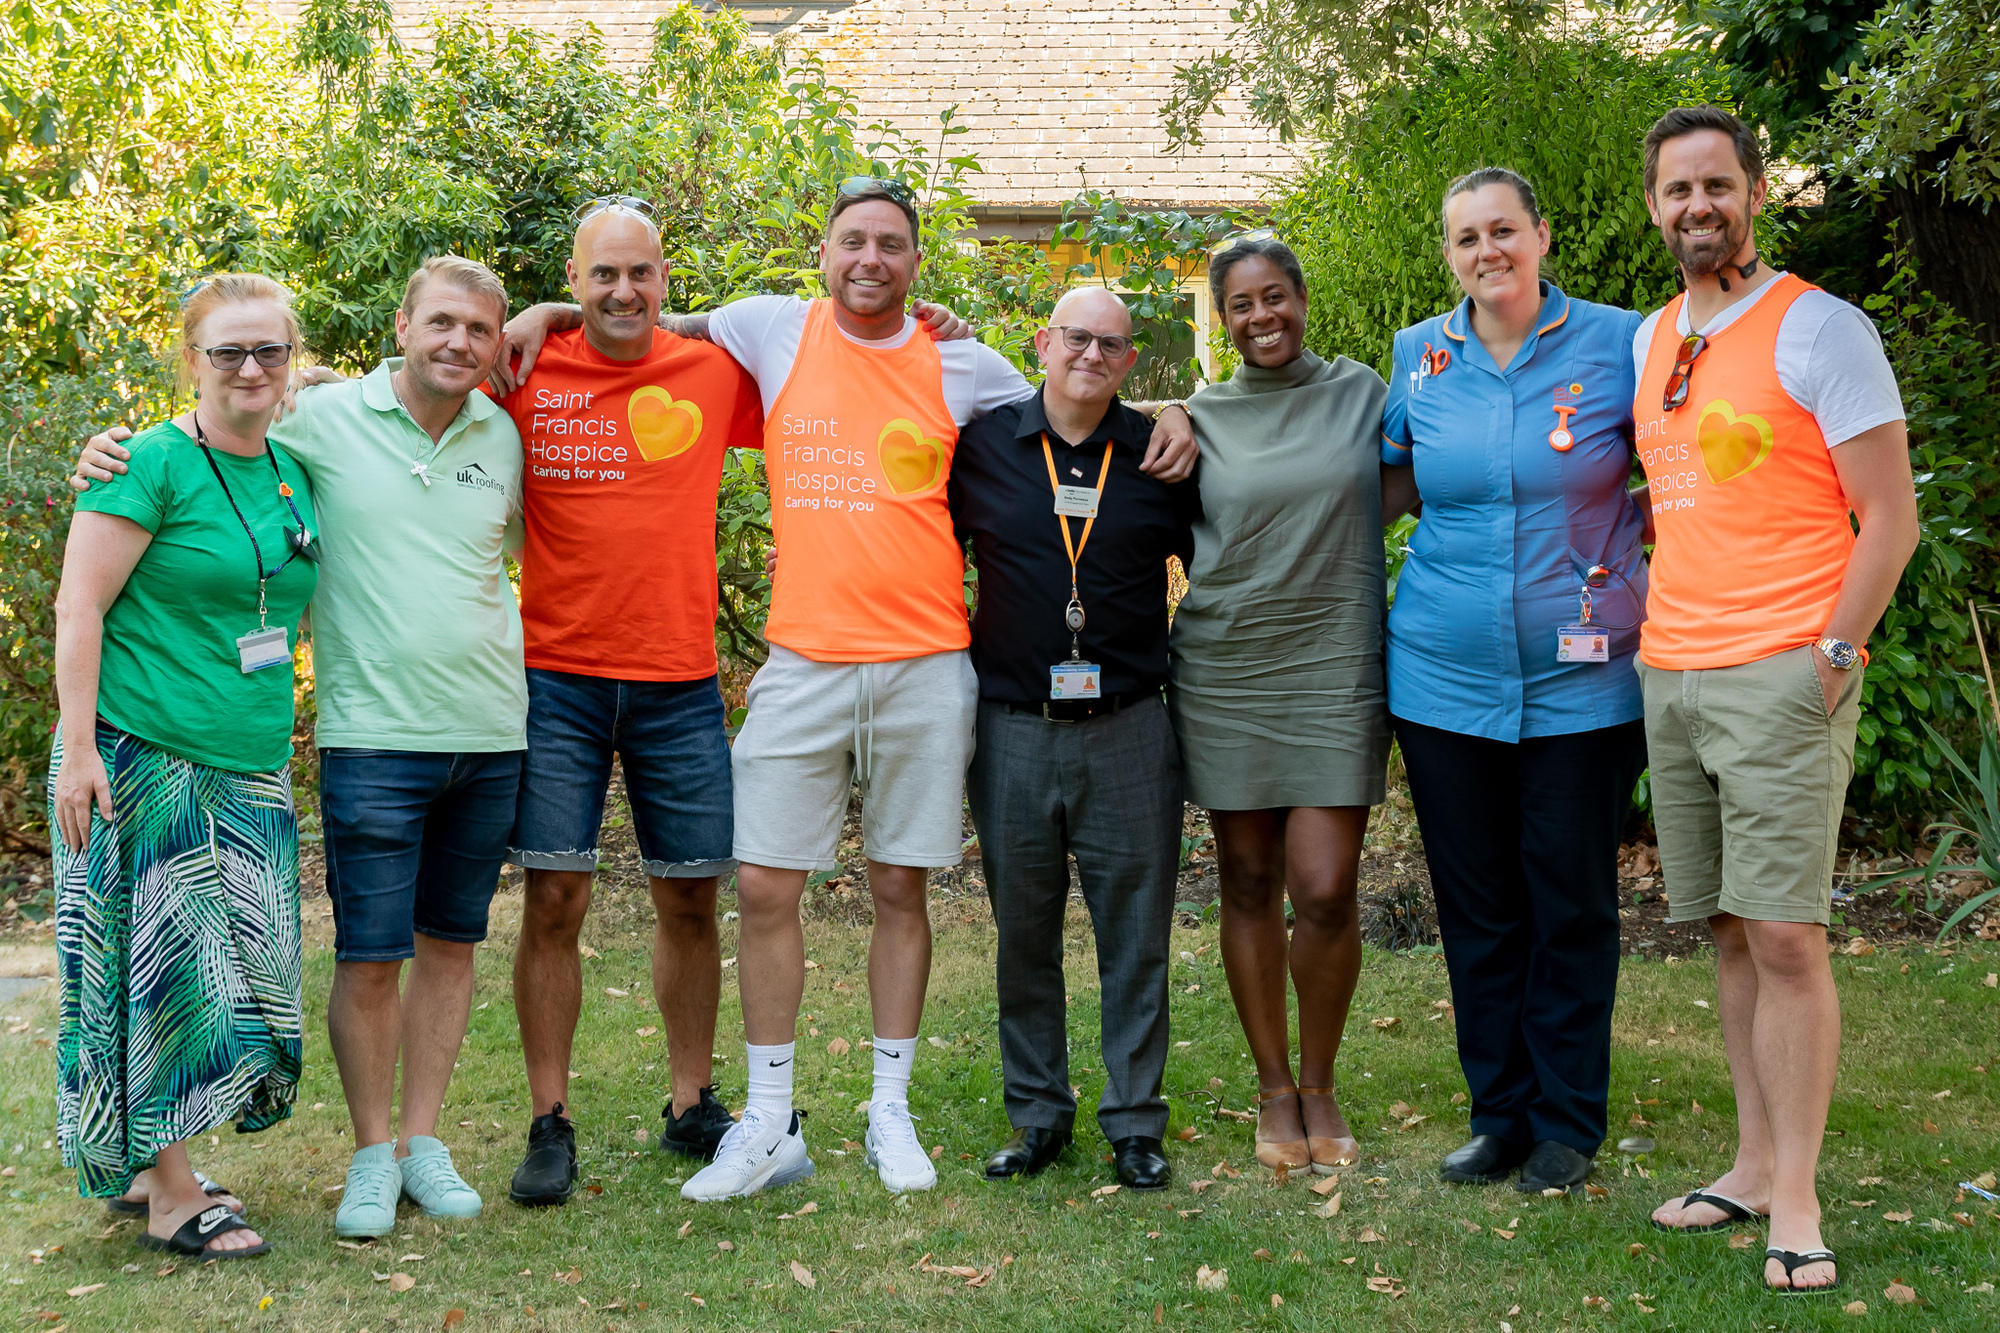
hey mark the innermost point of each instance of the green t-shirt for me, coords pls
(416, 631)
(170, 672)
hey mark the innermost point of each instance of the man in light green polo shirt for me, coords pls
(422, 711)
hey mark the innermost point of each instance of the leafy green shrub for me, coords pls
(1364, 215)
(42, 420)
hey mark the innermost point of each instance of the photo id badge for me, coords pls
(1073, 680)
(1583, 643)
(1076, 501)
(262, 648)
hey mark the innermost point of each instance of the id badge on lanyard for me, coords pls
(1075, 678)
(262, 648)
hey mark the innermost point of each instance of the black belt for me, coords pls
(1079, 710)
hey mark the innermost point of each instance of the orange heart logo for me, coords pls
(910, 462)
(661, 426)
(1732, 445)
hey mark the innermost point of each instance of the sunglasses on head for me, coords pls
(590, 208)
(230, 357)
(1692, 346)
(1243, 238)
(861, 187)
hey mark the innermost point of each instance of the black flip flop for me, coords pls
(195, 1233)
(1794, 1262)
(131, 1208)
(1733, 1213)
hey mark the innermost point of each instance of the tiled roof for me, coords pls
(1056, 94)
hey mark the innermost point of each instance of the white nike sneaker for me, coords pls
(758, 1152)
(893, 1149)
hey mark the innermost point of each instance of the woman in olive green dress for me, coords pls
(1278, 693)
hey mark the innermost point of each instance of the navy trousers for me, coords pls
(1522, 840)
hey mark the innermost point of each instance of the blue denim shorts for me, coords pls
(414, 842)
(669, 739)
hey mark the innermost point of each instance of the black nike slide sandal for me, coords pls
(1793, 1262)
(194, 1235)
(1733, 1214)
(138, 1208)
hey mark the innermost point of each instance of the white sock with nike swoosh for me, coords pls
(770, 1079)
(893, 1058)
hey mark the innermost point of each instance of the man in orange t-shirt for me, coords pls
(1766, 412)
(624, 427)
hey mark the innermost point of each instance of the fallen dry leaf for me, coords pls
(1246, 1117)
(838, 1046)
(937, 1152)
(1104, 1191)
(454, 1317)
(1855, 1308)
(1741, 1241)
(1502, 1233)
(1276, 1300)
(803, 1275)
(1326, 1185)
(1187, 1134)
(1635, 1249)
(1866, 1181)
(1900, 1294)
(1211, 1279)
(649, 1032)
(1930, 1126)
(1459, 1099)
(617, 994)
(686, 1227)
(1471, 1227)
(1858, 948)
(1985, 1180)
(1897, 1217)
(574, 1276)
(1596, 1191)
(1370, 1236)
(1199, 1185)
(1596, 1303)
(1963, 1219)
(1401, 1109)
(725, 1245)
(401, 1282)
(1384, 1023)
(1385, 1285)
(1992, 980)
(85, 1291)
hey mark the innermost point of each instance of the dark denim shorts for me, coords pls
(669, 739)
(414, 842)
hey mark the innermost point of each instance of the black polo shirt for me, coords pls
(1001, 503)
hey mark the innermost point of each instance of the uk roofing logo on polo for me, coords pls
(572, 435)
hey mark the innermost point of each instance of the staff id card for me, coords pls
(1073, 680)
(262, 648)
(1076, 501)
(1583, 643)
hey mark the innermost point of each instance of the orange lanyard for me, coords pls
(1075, 549)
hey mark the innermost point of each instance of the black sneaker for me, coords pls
(697, 1131)
(548, 1173)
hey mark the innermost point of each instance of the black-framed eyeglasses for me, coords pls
(1112, 345)
(1243, 238)
(1678, 381)
(230, 357)
(861, 187)
(590, 208)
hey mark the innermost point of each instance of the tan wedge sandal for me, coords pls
(1290, 1154)
(1329, 1154)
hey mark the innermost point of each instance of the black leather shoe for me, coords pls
(547, 1174)
(1141, 1163)
(1487, 1160)
(696, 1131)
(1026, 1152)
(1553, 1166)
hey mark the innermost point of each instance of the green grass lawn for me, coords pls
(1916, 1109)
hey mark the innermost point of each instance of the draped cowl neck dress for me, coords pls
(1277, 693)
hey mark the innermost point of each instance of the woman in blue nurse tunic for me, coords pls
(1511, 684)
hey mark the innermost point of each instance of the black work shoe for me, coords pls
(697, 1131)
(1142, 1164)
(1026, 1152)
(547, 1174)
(1553, 1166)
(1487, 1160)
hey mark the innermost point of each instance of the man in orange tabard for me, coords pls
(1766, 412)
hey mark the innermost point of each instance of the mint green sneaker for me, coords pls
(374, 1182)
(433, 1184)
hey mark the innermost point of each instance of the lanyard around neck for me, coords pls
(284, 490)
(1075, 548)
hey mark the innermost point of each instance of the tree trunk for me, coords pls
(1957, 249)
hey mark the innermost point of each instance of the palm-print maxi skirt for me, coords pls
(177, 942)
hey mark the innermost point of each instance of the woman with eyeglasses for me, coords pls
(176, 861)
(1511, 677)
(1277, 691)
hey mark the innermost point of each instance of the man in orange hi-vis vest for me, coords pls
(869, 681)
(1766, 414)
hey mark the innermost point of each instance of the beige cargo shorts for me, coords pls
(1749, 777)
